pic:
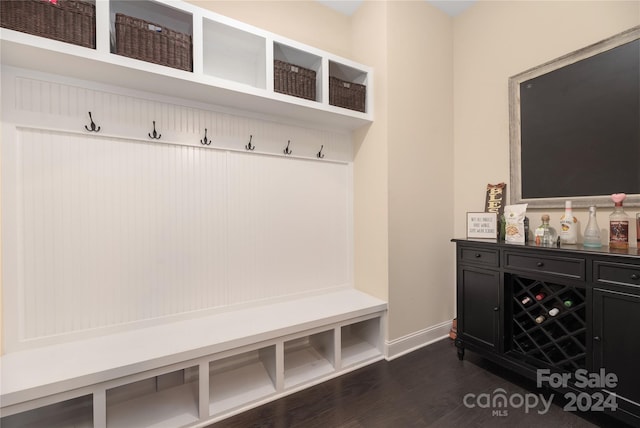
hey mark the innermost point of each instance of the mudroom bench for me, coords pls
(196, 371)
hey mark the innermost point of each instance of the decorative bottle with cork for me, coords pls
(618, 224)
(568, 225)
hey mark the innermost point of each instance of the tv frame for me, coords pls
(515, 143)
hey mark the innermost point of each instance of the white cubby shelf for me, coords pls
(195, 371)
(232, 63)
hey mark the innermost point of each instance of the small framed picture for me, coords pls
(482, 225)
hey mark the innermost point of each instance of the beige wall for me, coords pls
(400, 229)
(420, 145)
(371, 169)
(494, 40)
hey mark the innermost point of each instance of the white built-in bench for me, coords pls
(196, 371)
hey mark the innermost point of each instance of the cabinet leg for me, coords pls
(460, 347)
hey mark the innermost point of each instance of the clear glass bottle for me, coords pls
(618, 224)
(568, 225)
(545, 234)
(592, 232)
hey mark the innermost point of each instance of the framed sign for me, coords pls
(482, 225)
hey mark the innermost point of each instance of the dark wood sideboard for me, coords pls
(597, 325)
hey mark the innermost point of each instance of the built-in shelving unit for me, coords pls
(232, 63)
(200, 378)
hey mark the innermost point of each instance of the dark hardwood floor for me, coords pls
(425, 388)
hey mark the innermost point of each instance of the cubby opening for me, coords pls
(347, 87)
(233, 54)
(298, 73)
(170, 399)
(308, 358)
(241, 379)
(360, 341)
(76, 412)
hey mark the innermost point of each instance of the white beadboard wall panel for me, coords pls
(56, 102)
(117, 231)
(300, 205)
(114, 230)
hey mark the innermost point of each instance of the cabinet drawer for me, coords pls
(567, 267)
(616, 273)
(481, 256)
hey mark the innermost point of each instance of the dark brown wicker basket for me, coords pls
(68, 21)
(294, 80)
(146, 41)
(347, 94)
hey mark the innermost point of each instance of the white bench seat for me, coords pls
(44, 372)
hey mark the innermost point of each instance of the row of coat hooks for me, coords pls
(155, 135)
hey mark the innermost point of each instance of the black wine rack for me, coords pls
(543, 337)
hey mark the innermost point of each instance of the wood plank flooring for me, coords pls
(422, 389)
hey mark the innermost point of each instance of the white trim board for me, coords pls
(403, 345)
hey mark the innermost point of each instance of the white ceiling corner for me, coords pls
(450, 7)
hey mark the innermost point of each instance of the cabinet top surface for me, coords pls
(579, 248)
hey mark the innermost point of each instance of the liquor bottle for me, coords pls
(540, 319)
(526, 301)
(541, 295)
(567, 303)
(545, 234)
(568, 225)
(618, 224)
(592, 232)
(553, 312)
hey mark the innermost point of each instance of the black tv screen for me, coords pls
(580, 127)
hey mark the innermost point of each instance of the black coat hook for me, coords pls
(93, 128)
(320, 155)
(204, 141)
(249, 146)
(155, 135)
(286, 151)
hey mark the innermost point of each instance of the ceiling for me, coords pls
(450, 7)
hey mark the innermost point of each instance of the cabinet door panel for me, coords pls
(616, 347)
(478, 298)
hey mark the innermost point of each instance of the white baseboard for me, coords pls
(405, 344)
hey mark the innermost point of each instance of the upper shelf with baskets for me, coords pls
(178, 49)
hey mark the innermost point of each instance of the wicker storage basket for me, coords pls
(347, 94)
(140, 39)
(293, 80)
(68, 21)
